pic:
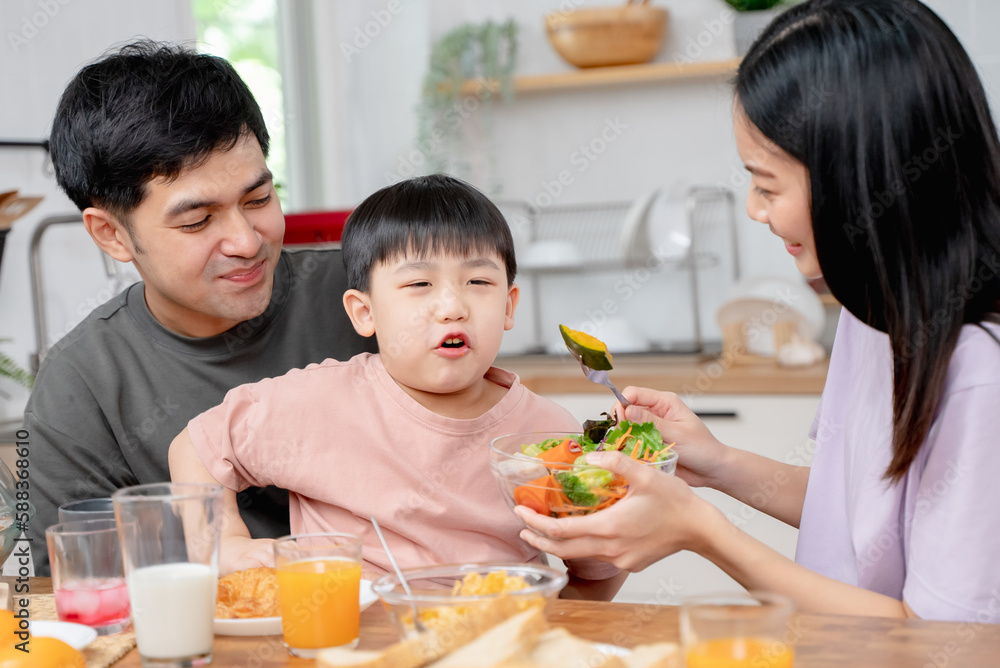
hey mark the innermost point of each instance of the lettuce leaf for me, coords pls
(646, 432)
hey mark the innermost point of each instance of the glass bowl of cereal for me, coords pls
(458, 599)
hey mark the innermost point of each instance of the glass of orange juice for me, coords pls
(737, 631)
(319, 577)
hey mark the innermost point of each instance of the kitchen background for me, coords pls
(342, 107)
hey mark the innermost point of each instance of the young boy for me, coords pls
(402, 435)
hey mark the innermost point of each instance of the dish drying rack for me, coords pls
(612, 236)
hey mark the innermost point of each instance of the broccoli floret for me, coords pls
(576, 490)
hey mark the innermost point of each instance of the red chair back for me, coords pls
(313, 227)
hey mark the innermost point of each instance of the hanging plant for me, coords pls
(485, 53)
(10, 369)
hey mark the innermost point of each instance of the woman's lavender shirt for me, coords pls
(933, 539)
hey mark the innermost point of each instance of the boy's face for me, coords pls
(439, 319)
(206, 243)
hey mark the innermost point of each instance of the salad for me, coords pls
(570, 485)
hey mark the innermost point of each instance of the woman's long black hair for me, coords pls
(881, 103)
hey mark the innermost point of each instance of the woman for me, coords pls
(874, 157)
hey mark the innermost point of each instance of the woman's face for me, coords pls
(779, 192)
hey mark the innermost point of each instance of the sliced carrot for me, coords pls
(564, 453)
(567, 509)
(534, 494)
(636, 448)
(620, 441)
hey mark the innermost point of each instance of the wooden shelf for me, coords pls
(606, 77)
(552, 374)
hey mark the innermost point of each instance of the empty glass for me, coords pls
(87, 509)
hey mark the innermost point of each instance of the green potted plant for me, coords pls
(11, 369)
(752, 16)
(482, 52)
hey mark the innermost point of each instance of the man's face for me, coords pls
(206, 244)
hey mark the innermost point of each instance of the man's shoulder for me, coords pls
(87, 358)
(101, 329)
(313, 264)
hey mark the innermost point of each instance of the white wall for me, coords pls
(44, 42)
(677, 134)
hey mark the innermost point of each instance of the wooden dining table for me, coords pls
(821, 641)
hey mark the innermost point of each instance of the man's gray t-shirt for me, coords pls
(112, 395)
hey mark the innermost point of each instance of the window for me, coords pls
(245, 33)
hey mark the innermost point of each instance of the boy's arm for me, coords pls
(593, 590)
(238, 551)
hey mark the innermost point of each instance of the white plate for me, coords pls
(76, 636)
(271, 626)
(254, 626)
(760, 301)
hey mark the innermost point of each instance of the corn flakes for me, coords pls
(496, 583)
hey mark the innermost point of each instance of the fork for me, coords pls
(599, 377)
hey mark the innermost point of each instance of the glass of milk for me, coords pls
(170, 540)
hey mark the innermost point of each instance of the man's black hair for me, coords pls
(148, 110)
(436, 213)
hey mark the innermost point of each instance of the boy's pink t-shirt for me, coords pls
(348, 442)
(933, 539)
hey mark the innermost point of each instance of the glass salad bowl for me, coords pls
(547, 472)
(454, 598)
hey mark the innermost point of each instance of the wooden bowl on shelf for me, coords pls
(604, 36)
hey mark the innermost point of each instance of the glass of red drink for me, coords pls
(87, 574)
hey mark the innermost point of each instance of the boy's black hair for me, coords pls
(148, 110)
(422, 215)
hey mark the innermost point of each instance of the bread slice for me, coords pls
(509, 641)
(559, 648)
(425, 647)
(347, 658)
(657, 655)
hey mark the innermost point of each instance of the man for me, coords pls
(163, 150)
